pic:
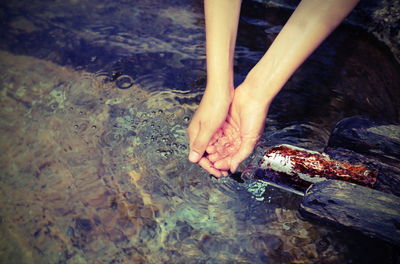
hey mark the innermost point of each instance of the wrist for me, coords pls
(261, 87)
(221, 83)
(218, 92)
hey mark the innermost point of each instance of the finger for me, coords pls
(216, 157)
(199, 144)
(216, 136)
(224, 173)
(208, 166)
(246, 148)
(192, 131)
(223, 164)
(211, 149)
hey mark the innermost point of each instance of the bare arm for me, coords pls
(309, 25)
(222, 18)
(221, 28)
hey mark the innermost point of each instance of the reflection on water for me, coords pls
(93, 121)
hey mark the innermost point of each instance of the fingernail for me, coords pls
(194, 156)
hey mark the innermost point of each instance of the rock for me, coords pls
(375, 139)
(372, 212)
(298, 168)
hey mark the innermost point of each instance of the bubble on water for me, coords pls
(164, 152)
(54, 105)
(111, 138)
(94, 127)
(160, 111)
(186, 119)
(124, 82)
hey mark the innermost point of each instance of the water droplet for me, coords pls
(94, 127)
(186, 119)
(76, 126)
(160, 111)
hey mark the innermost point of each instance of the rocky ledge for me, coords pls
(354, 183)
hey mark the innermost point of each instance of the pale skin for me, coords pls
(228, 122)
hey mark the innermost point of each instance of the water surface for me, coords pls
(94, 103)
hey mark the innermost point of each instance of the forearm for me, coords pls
(222, 18)
(309, 25)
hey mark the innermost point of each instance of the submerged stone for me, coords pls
(376, 139)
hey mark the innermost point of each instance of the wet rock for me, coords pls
(356, 207)
(388, 176)
(375, 139)
(301, 135)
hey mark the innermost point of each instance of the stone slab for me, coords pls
(371, 212)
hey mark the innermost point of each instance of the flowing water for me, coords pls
(95, 98)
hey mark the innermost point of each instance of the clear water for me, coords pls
(95, 99)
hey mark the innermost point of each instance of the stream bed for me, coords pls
(95, 99)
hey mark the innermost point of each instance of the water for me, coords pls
(95, 100)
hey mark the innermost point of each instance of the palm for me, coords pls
(236, 139)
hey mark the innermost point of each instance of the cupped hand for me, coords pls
(238, 136)
(209, 116)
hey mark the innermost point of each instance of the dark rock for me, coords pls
(375, 139)
(300, 135)
(369, 211)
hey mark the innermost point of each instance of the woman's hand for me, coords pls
(235, 140)
(300, 36)
(209, 116)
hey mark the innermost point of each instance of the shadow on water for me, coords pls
(95, 100)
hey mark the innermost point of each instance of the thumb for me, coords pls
(199, 145)
(246, 148)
